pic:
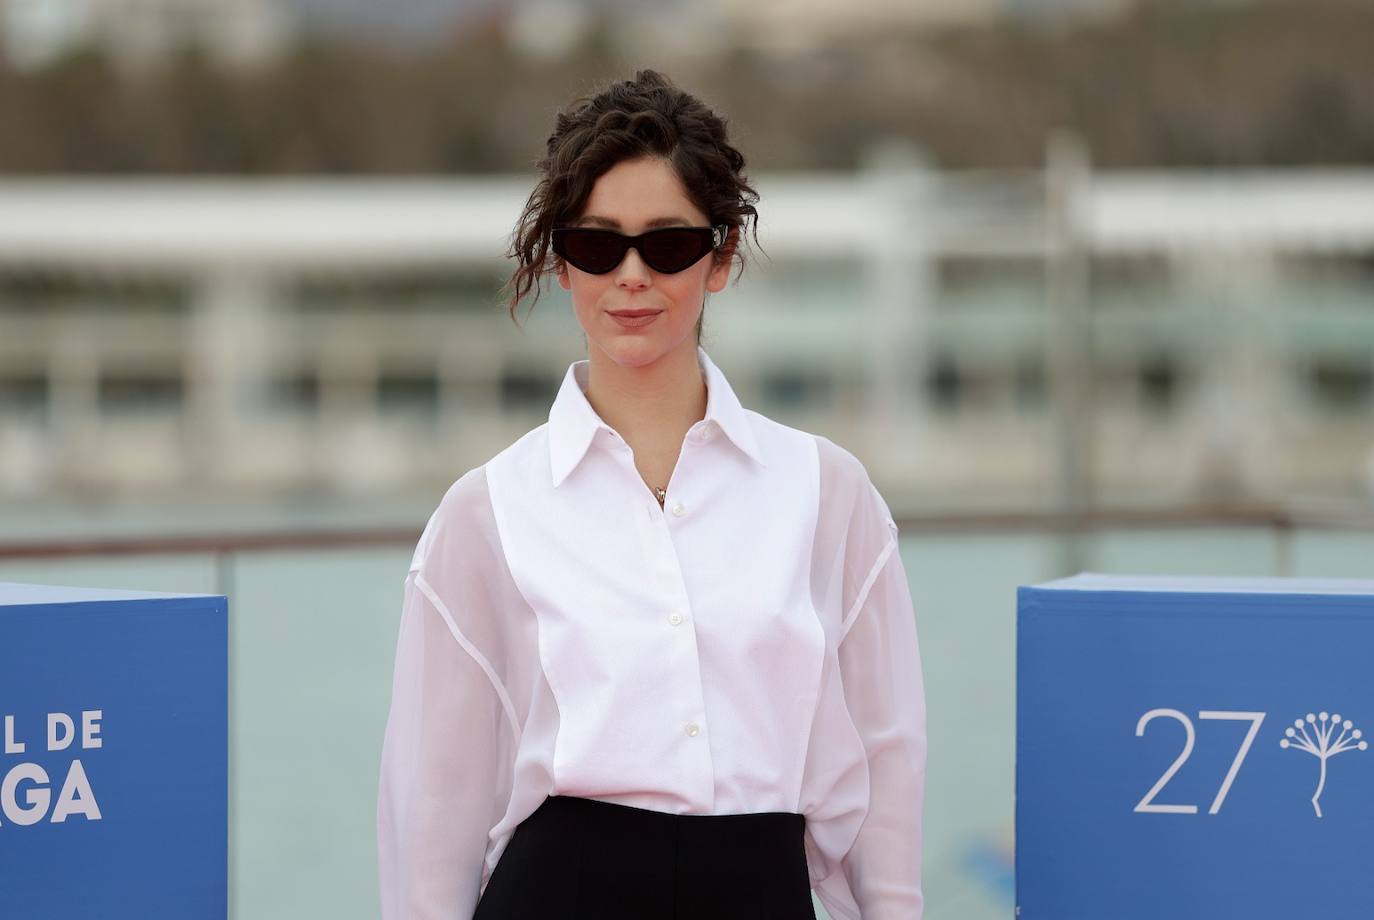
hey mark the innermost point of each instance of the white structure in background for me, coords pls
(672, 30)
(140, 33)
(295, 334)
(801, 24)
(548, 30)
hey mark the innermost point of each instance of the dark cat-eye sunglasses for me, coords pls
(667, 250)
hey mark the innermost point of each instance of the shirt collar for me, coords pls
(573, 423)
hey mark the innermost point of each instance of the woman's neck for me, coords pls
(653, 405)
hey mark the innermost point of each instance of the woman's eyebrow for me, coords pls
(614, 224)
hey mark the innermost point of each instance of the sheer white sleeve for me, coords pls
(880, 669)
(444, 778)
(438, 767)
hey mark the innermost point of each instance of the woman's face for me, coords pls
(632, 197)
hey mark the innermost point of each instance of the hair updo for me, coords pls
(646, 116)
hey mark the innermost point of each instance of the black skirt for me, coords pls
(578, 859)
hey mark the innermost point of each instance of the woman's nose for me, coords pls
(632, 272)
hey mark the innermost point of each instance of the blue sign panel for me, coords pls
(113, 754)
(1194, 748)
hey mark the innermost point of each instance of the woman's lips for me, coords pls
(631, 319)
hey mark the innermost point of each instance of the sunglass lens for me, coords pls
(596, 251)
(672, 250)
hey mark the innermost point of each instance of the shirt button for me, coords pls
(692, 729)
(675, 619)
(679, 510)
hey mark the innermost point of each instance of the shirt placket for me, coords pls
(679, 644)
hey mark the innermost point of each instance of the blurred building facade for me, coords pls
(979, 339)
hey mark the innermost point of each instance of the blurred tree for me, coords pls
(1168, 83)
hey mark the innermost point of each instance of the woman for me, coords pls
(658, 657)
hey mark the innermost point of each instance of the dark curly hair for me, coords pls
(646, 116)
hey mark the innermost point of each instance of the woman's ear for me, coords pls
(560, 270)
(721, 260)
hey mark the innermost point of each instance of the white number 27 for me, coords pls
(1147, 804)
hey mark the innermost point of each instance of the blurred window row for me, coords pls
(1154, 384)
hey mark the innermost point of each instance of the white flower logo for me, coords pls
(1322, 748)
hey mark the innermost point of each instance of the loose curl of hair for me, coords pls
(644, 117)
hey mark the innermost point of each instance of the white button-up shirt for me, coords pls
(748, 646)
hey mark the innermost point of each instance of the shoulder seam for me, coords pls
(477, 656)
(883, 556)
